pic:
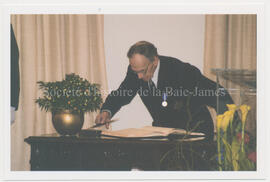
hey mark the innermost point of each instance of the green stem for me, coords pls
(224, 154)
(231, 141)
(219, 152)
(243, 139)
(231, 135)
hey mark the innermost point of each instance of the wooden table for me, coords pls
(65, 153)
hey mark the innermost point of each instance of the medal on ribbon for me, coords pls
(164, 102)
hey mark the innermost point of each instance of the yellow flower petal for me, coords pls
(244, 110)
(219, 120)
(231, 106)
(228, 117)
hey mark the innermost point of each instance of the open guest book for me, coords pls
(153, 132)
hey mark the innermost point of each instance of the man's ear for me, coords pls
(155, 62)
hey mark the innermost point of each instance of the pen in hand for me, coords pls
(103, 117)
(101, 124)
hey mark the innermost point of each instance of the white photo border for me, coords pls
(194, 7)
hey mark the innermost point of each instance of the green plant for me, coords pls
(236, 149)
(73, 93)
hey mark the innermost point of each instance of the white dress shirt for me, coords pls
(155, 75)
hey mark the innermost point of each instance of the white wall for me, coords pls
(180, 36)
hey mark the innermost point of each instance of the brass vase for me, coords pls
(67, 122)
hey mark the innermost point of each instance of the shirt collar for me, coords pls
(155, 75)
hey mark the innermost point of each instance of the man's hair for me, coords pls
(144, 48)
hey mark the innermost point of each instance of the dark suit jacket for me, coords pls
(188, 93)
(14, 71)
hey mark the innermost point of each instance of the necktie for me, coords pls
(151, 85)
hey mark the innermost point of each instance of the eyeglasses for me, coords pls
(142, 71)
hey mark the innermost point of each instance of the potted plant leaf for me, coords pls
(68, 100)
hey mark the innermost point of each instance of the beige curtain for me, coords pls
(230, 42)
(51, 46)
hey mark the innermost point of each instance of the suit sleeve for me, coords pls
(204, 89)
(123, 95)
(216, 97)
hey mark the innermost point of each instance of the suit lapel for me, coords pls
(161, 74)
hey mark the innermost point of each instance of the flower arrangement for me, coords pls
(73, 93)
(236, 150)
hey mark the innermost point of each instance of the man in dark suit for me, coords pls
(175, 93)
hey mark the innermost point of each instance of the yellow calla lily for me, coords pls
(244, 110)
(219, 120)
(228, 116)
(232, 108)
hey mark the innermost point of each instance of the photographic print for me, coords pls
(106, 92)
(195, 62)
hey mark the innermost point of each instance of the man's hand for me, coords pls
(150, 70)
(103, 117)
